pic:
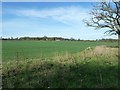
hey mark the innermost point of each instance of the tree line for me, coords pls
(45, 38)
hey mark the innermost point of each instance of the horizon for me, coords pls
(56, 37)
(51, 19)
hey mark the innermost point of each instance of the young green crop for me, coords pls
(17, 50)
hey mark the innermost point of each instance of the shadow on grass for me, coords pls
(62, 75)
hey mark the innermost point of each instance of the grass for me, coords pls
(88, 68)
(13, 50)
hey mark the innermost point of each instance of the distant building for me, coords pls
(57, 40)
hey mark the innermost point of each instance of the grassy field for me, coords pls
(40, 64)
(14, 50)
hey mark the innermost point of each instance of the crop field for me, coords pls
(14, 50)
(59, 64)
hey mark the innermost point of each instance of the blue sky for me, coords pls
(52, 19)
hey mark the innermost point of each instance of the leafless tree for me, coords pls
(106, 15)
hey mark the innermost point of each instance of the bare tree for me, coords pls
(106, 15)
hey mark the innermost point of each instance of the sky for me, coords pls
(52, 19)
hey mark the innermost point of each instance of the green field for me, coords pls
(13, 50)
(63, 64)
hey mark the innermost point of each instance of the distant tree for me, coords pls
(78, 39)
(72, 39)
(16, 38)
(11, 38)
(106, 15)
(45, 38)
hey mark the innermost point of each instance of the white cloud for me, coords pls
(72, 15)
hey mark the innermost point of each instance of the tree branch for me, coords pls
(105, 15)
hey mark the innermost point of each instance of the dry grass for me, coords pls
(104, 50)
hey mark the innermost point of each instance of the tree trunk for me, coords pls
(119, 48)
(119, 45)
(119, 60)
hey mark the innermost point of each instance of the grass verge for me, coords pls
(92, 68)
